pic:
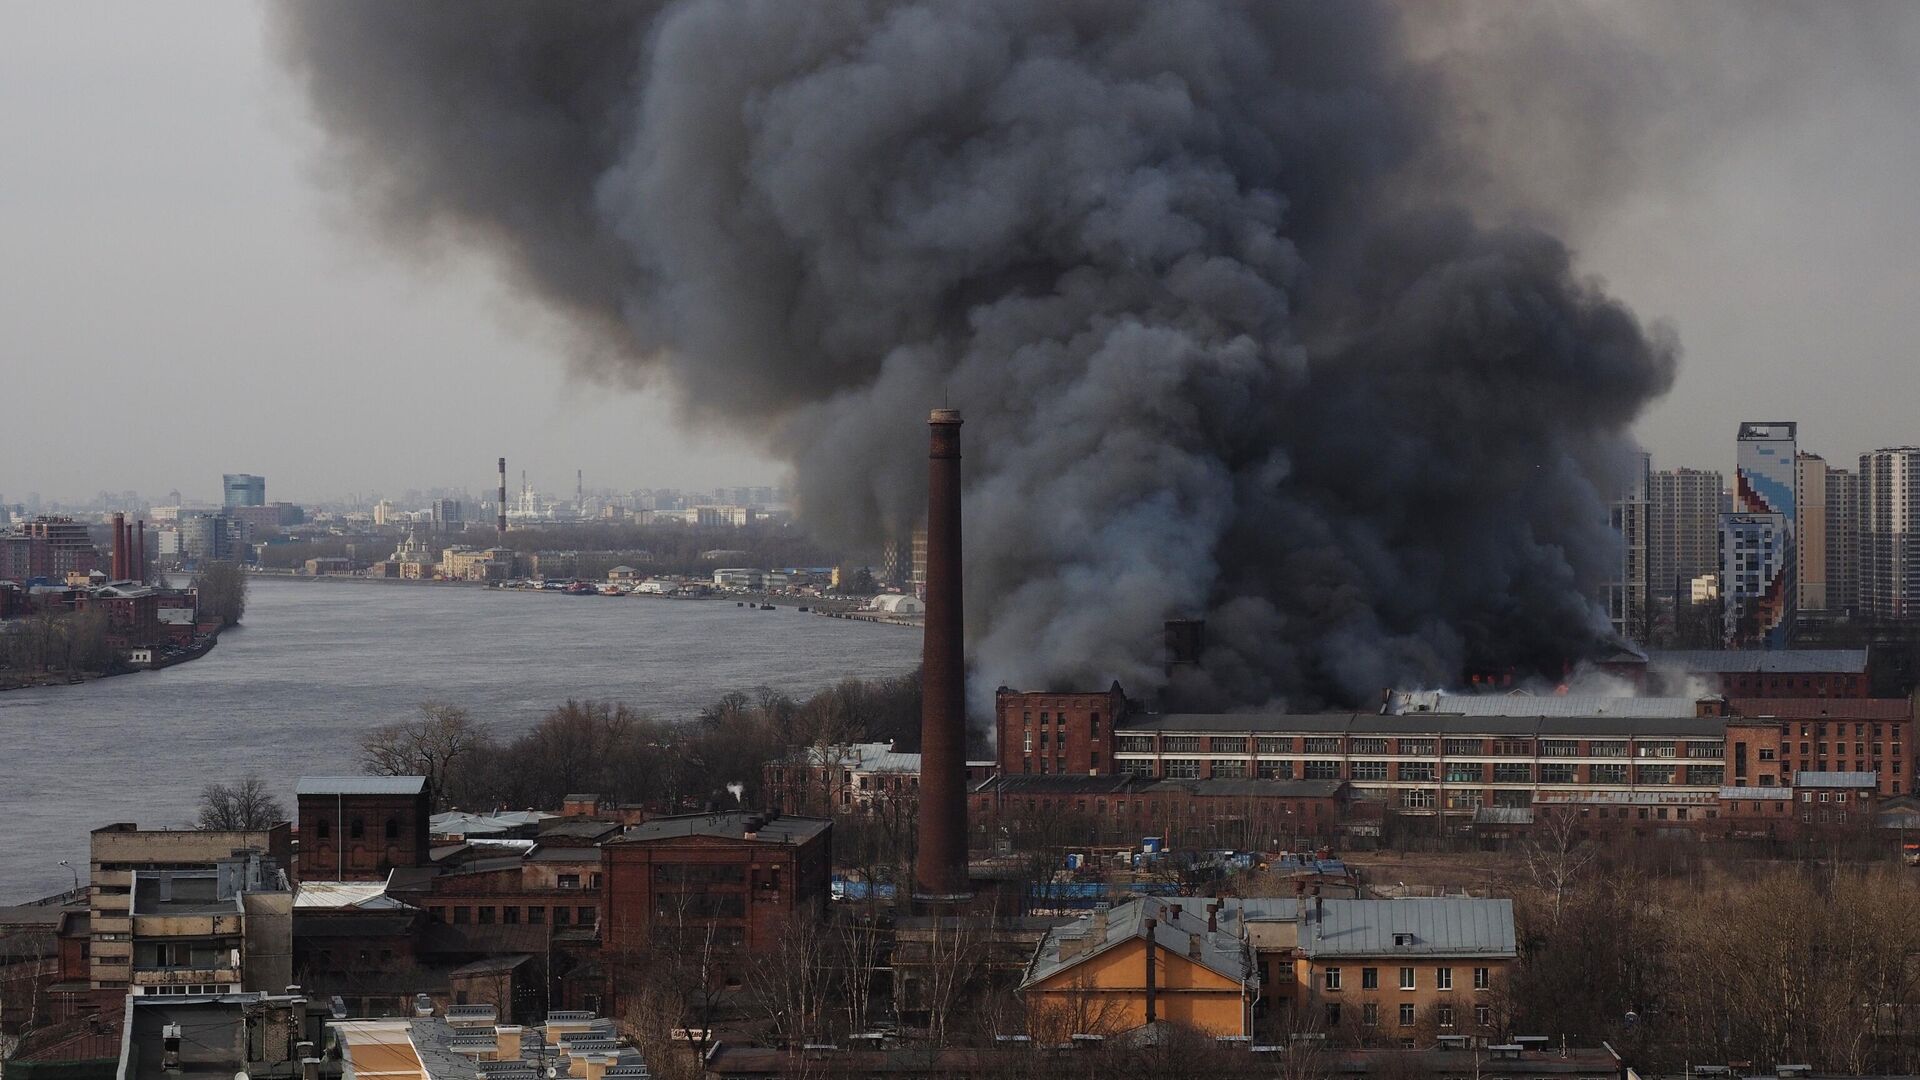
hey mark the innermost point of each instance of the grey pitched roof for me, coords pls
(1069, 945)
(360, 785)
(1760, 661)
(1422, 926)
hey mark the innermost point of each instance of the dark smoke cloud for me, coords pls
(1209, 281)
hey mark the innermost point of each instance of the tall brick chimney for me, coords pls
(119, 547)
(940, 865)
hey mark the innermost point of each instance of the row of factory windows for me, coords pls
(1424, 771)
(1093, 720)
(1421, 747)
(510, 914)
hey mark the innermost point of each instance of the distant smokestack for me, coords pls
(502, 504)
(940, 866)
(119, 547)
(140, 551)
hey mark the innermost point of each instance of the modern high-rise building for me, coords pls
(1757, 571)
(1843, 541)
(1683, 530)
(449, 515)
(244, 489)
(1627, 594)
(1889, 533)
(1811, 542)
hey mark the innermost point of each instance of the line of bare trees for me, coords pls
(610, 749)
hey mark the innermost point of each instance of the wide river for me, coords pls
(316, 664)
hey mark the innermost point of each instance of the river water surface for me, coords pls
(318, 663)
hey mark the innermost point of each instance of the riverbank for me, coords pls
(162, 658)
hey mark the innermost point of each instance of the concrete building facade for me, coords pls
(1889, 533)
(1757, 559)
(1683, 525)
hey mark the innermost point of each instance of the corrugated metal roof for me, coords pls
(1756, 794)
(1221, 952)
(732, 825)
(1414, 926)
(1836, 779)
(360, 785)
(1760, 661)
(323, 895)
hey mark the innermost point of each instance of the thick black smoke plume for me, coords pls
(1202, 277)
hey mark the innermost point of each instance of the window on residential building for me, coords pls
(1333, 1014)
(1482, 1015)
(1330, 978)
(1406, 1015)
(1369, 978)
(1406, 978)
(1443, 978)
(1482, 978)
(1370, 1014)
(1443, 1015)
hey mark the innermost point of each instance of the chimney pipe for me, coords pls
(1213, 917)
(1148, 925)
(119, 547)
(502, 504)
(940, 865)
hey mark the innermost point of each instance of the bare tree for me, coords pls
(1556, 855)
(222, 592)
(434, 745)
(247, 806)
(791, 985)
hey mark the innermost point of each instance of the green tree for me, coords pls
(222, 588)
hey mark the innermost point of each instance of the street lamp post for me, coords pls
(75, 873)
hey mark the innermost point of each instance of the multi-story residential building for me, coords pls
(1683, 530)
(121, 851)
(1757, 560)
(1629, 593)
(244, 489)
(1843, 541)
(1890, 533)
(449, 515)
(1150, 960)
(217, 931)
(1405, 970)
(840, 777)
(48, 547)
(1811, 540)
(360, 828)
(471, 564)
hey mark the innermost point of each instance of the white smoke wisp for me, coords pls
(739, 792)
(1209, 282)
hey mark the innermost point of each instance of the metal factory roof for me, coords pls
(332, 895)
(360, 785)
(781, 829)
(1757, 794)
(1761, 661)
(1068, 946)
(1823, 708)
(1412, 926)
(1836, 780)
(1425, 724)
(461, 823)
(1541, 704)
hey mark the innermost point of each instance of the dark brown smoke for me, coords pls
(1209, 280)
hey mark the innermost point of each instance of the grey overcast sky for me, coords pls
(182, 294)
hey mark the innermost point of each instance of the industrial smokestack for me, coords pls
(119, 547)
(140, 551)
(501, 528)
(940, 866)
